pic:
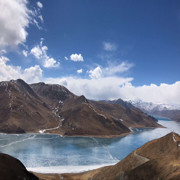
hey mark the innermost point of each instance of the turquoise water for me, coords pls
(161, 118)
(45, 150)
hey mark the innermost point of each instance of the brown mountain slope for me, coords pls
(21, 110)
(54, 109)
(157, 159)
(52, 93)
(82, 118)
(11, 168)
(130, 117)
(171, 114)
(85, 117)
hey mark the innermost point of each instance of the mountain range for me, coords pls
(164, 110)
(52, 108)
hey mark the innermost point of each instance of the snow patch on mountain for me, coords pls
(149, 106)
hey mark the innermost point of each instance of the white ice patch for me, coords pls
(174, 139)
(66, 169)
(42, 131)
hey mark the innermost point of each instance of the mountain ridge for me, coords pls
(52, 108)
(170, 111)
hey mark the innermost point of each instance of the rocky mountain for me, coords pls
(22, 110)
(157, 159)
(53, 108)
(170, 111)
(127, 114)
(121, 102)
(83, 118)
(11, 168)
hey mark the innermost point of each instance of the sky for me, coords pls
(106, 49)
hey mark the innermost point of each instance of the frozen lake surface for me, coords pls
(54, 154)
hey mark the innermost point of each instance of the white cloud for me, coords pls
(40, 53)
(79, 71)
(37, 24)
(110, 70)
(25, 53)
(8, 72)
(66, 58)
(37, 52)
(14, 19)
(76, 57)
(2, 52)
(32, 74)
(39, 4)
(96, 73)
(164, 93)
(102, 88)
(111, 87)
(107, 46)
(51, 62)
(118, 87)
(41, 18)
(114, 69)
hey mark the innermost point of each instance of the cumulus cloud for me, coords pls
(102, 88)
(8, 72)
(40, 52)
(110, 70)
(32, 74)
(79, 71)
(15, 18)
(96, 73)
(51, 62)
(25, 53)
(118, 87)
(76, 57)
(37, 52)
(39, 4)
(107, 46)
(66, 58)
(163, 93)
(111, 87)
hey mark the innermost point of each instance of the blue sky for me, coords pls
(103, 49)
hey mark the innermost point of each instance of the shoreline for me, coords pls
(96, 136)
(67, 169)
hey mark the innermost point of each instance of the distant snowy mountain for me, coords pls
(165, 110)
(149, 106)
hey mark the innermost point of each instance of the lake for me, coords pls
(54, 154)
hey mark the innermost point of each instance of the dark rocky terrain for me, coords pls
(13, 169)
(22, 110)
(48, 108)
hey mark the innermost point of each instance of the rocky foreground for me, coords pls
(50, 108)
(157, 159)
